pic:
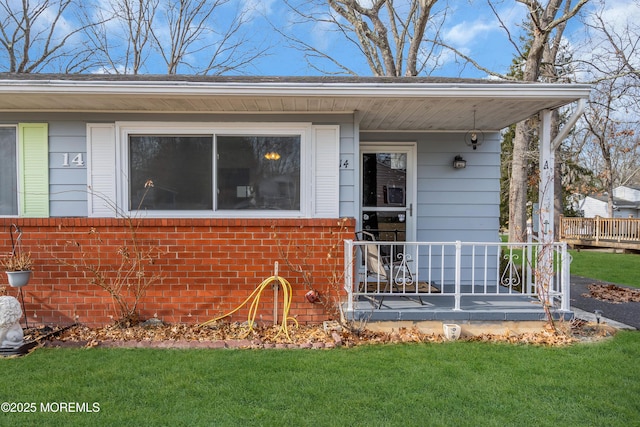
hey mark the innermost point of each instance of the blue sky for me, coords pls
(470, 26)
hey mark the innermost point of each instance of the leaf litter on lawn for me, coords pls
(613, 293)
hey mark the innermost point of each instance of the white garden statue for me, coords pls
(11, 335)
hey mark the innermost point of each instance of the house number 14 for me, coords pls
(77, 160)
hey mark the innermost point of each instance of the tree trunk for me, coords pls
(609, 183)
(542, 24)
(518, 185)
(521, 143)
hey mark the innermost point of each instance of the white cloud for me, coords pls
(474, 30)
(476, 23)
(465, 32)
(618, 14)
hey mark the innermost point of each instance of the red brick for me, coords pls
(207, 266)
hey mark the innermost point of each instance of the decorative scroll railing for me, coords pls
(458, 269)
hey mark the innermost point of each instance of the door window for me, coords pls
(384, 194)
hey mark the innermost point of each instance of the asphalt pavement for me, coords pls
(627, 313)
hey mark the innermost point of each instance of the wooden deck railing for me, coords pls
(600, 229)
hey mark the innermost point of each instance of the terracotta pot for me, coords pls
(18, 279)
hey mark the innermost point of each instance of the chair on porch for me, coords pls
(380, 268)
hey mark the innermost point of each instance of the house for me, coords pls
(626, 204)
(222, 177)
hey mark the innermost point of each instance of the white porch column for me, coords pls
(547, 178)
(544, 272)
(544, 266)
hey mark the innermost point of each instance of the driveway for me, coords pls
(624, 312)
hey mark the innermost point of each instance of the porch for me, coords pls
(456, 281)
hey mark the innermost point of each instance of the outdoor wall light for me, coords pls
(474, 137)
(459, 163)
(272, 155)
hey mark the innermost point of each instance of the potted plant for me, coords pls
(18, 268)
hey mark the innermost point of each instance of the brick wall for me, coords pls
(205, 267)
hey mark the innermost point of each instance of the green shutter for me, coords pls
(34, 169)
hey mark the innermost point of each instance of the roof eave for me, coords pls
(257, 89)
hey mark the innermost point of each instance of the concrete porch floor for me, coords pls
(474, 308)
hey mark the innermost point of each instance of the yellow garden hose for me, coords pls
(253, 309)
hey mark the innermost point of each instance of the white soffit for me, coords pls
(404, 104)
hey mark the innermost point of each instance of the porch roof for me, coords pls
(380, 103)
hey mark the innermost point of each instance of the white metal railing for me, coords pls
(433, 269)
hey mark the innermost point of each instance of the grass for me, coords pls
(618, 268)
(452, 384)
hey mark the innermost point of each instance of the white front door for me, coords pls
(387, 183)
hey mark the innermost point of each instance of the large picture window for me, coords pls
(258, 172)
(8, 171)
(209, 170)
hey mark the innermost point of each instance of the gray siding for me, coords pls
(451, 204)
(349, 148)
(454, 204)
(67, 180)
(68, 183)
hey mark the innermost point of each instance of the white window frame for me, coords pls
(124, 129)
(18, 171)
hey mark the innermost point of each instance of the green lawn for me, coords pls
(452, 384)
(617, 268)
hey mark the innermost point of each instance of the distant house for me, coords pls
(626, 204)
(247, 171)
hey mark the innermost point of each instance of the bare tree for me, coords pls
(544, 21)
(609, 142)
(614, 138)
(203, 36)
(539, 61)
(186, 23)
(390, 36)
(189, 27)
(41, 35)
(622, 46)
(122, 38)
